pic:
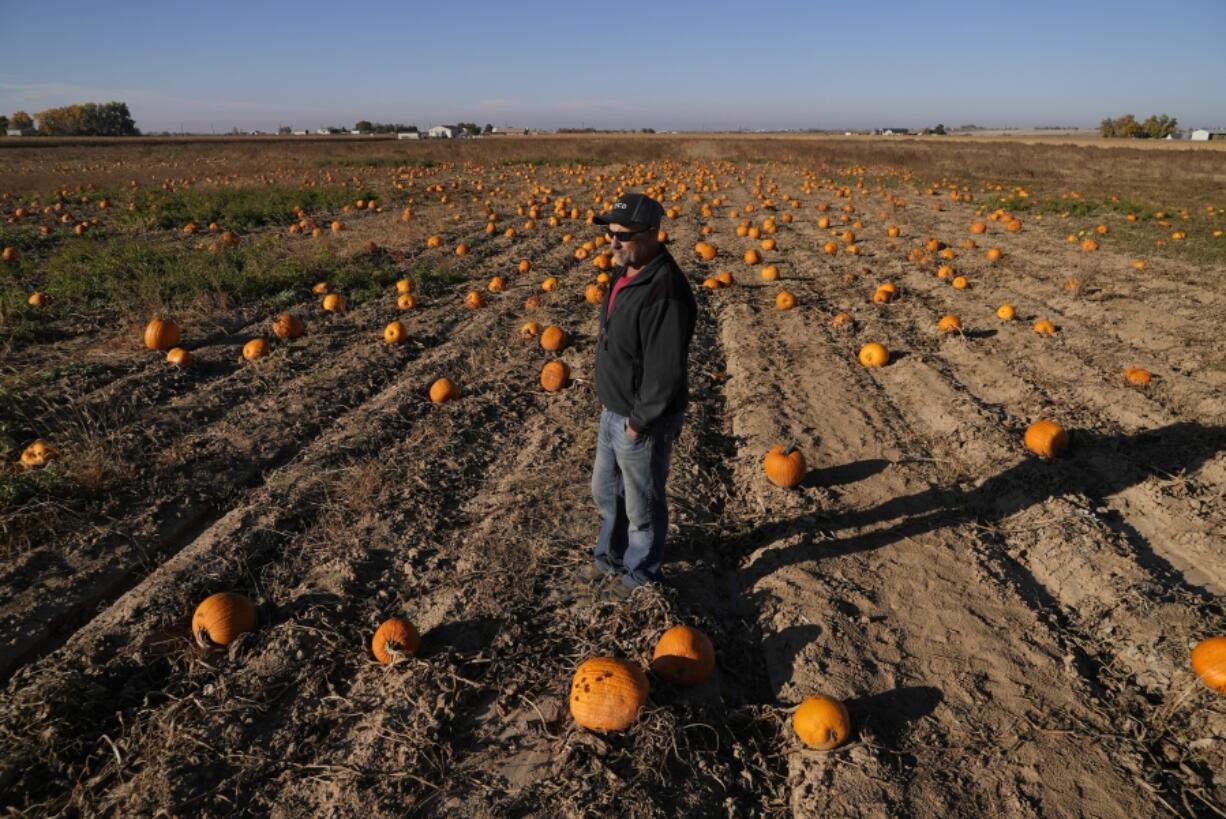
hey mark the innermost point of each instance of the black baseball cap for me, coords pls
(633, 209)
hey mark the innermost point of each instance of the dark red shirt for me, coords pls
(622, 282)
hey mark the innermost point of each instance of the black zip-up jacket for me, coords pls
(642, 367)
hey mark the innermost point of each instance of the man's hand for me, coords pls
(631, 434)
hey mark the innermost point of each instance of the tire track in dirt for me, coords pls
(1107, 588)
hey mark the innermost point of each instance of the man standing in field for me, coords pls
(646, 323)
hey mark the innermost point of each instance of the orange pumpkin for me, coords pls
(444, 390)
(179, 357)
(286, 325)
(1044, 327)
(221, 618)
(606, 694)
(684, 656)
(395, 639)
(842, 321)
(255, 348)
(1209, 663)
(335, 303)
(1138, 377)
(1005, 312)
(949, 324)
(37, 454)
(785, 466)
(161, 334)
(822, 723)
(406, 301)
(784, 300)
(752, 256)
(555, 375)
(474, 300)
(770, 273)
(994, 254)
(553, 339)
(874, 355)
(1047, 439)
(394, 333)
(706, 251)
(529, 329)
(37, 299)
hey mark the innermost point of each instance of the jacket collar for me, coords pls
(649, 270)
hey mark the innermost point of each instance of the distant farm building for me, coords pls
(21, 132)
(509, 131)
(442, 132)
(408, 135)
(894, 132)
(1202, 134)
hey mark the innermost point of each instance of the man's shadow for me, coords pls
(1096, 466)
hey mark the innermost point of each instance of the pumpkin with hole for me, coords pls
(529, 330)
(1005, 312)
(784, 300)
(882, 295)
(335, 303)
(1044, 327)
(1138, 377)
(606, 694)
(1209, 663)
(406, 301)
(555, 375)
(394, 333)
(874, 355)
(254, 349)
(822, 723)
(395, 639)
(684, 656)
(404, 286)
(960, 283)
(724, 278)
(221, 618)
(842, 321)
(39, 453)
(949, 324)
(286, 325)
(474, 300)
(784, 466)
(161, 334)
(179, 357)
(1045, 438)
(443, 390)
(553, 339)
(706, 251)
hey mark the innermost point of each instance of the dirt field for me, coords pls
(1010, 634)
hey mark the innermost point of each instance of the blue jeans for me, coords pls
(628, 480)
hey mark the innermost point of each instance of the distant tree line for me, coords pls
(383, 127)
(83, 119)
(1157, 126)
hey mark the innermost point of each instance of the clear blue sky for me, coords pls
(682, 65)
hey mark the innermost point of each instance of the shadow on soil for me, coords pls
(1097, 466)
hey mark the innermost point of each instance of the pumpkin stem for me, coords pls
(202, 638)
(790, 448)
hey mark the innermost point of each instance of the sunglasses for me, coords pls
(624, 235)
